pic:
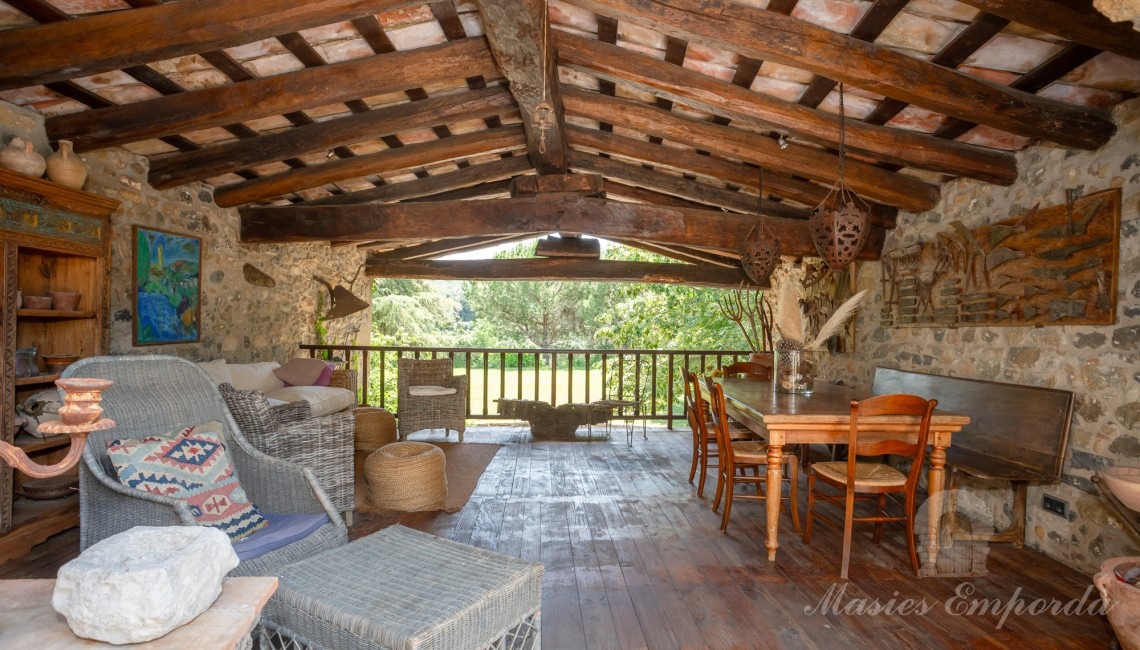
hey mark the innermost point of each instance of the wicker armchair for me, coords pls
(324, 444)
(418, 412)
(153, 395)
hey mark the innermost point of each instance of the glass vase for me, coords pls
(795, 371)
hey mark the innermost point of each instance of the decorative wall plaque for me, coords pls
(1047, 266)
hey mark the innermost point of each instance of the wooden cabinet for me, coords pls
(53, 239)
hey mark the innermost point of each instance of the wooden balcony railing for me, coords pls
(653, 378)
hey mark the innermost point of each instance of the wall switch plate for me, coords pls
(1054, 505)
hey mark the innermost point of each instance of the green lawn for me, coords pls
(527, 378)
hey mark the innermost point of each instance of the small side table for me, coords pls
(28, 622)
(607, 406)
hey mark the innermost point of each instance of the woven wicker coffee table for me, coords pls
(401, 589)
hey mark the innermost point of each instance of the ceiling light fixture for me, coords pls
(783, 142)
(760, 250)
(839, 224)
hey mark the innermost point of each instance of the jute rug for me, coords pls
(466, 462)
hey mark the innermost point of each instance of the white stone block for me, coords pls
(138, 585)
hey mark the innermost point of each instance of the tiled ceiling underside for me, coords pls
(945, 32)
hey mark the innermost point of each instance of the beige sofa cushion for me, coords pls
(255, 376)
(217, 370)
(322, 399)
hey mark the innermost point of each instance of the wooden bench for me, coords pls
(1016, 433)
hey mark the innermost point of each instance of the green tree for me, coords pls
(415, 313)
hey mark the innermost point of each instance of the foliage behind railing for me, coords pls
(557, 376)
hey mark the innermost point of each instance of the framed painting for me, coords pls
(167, 268)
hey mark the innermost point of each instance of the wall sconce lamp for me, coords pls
(343, 301)
(80, 415)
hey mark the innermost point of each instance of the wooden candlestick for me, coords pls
(80, 414)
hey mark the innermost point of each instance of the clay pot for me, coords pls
(66, 168)
(19, 156)
(37, 302)
(1122, 599)
(64, 300)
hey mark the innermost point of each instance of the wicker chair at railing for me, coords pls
(324, 444)
(415, 412)
(154, 395)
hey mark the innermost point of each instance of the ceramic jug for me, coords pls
(19, 156)
(66, 168)
(26, 362)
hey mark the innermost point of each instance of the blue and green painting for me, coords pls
(166, 279)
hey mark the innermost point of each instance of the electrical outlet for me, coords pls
(1056, 506)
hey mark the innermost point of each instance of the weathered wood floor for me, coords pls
(635, 560)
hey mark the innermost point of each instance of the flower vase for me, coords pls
(66, 168)
(795, 371)
(19, 156)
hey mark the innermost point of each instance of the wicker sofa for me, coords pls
(157, 395)
(259, 376)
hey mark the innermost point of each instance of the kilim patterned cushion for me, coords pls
(190, 465)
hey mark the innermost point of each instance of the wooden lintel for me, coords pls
(541, 213)
(574, 247)
(770, 36)
(584, 184)
(520, 38)
(561, 269)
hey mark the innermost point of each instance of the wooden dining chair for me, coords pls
(736, 458)
(705, 448)
(749, 369)
(869, 481)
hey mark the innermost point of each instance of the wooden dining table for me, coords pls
(824, 416)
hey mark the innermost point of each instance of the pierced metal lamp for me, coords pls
(759, 253)
(839, 225)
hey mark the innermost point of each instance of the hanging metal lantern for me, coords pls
(759, 253)
(839, 225)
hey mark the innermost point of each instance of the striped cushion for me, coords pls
(191, 465)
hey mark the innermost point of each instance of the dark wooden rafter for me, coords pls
(692, 190)
(103, 42)
(519, 34)
(697, 275)
(541, 213)
(273, 95)
(683, 253)
(581, 184)
(230, 156)
(469, 176)
(766, 35)
(711, 95)
(460, 146)
(444, 247)
(494, 189)
(1085, 26)
(868, 180)
(618, 190)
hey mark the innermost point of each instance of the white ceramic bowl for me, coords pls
(1125, 484)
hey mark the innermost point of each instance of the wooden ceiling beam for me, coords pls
(698, 275)
(636, 194)
(711, 95)
(179, 169)
(416, 155)
(505, 168)
(275, 95)
(120, 39)
(681, 253)
(519, 34)
(1084, 25)
(494, 189)
(866, 179)
(444, 247)
(542, 213)
(771, 36)
(679, 186)
(800, 191)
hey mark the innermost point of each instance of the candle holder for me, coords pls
(80, 414)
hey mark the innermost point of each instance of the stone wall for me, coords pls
(240, 321)
(1100, 364)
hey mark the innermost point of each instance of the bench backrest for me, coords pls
(1022, 425)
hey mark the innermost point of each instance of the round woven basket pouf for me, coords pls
(406, 476)
(375, 427)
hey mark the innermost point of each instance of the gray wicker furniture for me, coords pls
(153, 395)
(324, 444)
(418, 412)
(402, 589)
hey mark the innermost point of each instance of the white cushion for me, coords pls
(217, 370)
(322, 399)
(430, 391)
(255, 376)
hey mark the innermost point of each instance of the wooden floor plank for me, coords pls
(633, 559)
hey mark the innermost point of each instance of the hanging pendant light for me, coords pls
(759, 252)
(839, 224)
